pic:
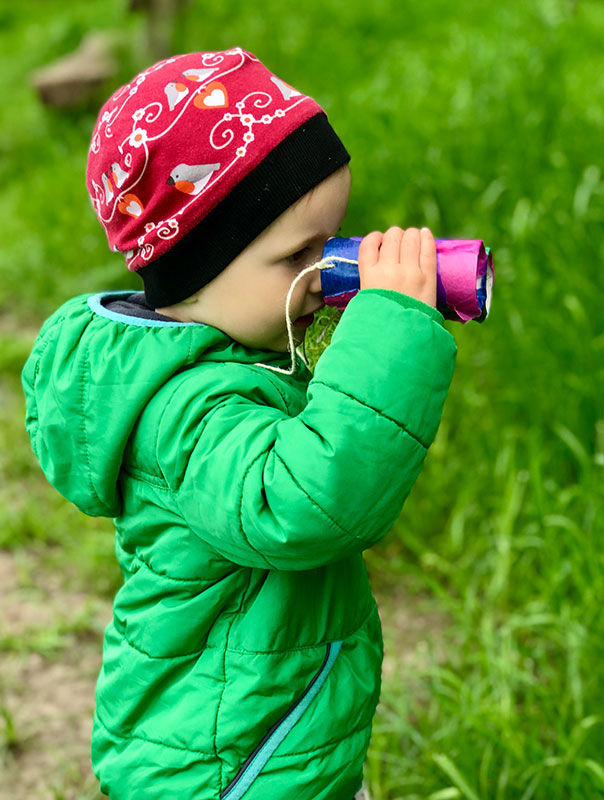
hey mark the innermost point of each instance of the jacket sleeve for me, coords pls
(267, 489)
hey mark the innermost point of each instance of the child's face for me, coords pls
(247, 299)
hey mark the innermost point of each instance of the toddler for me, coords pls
(245, 650)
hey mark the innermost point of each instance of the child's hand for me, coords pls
(404, 261)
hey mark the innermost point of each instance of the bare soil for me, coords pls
(47, 698)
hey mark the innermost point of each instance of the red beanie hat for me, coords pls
(195, 157)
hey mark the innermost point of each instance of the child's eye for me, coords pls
(297, 256)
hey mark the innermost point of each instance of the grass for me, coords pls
(479, 120)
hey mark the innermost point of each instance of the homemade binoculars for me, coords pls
(464, 276)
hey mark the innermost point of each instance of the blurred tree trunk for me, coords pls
(162, 18)
(73, 79)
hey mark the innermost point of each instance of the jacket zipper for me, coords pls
(255, 762)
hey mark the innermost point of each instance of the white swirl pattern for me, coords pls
(218, 139)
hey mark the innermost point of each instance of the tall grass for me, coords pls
(480, 120)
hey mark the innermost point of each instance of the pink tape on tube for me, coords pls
(464, 276)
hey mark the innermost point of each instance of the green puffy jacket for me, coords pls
(245, 651)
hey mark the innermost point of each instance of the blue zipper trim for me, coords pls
(256, 761)
(94, 301)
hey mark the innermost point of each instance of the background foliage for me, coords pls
(480, 120)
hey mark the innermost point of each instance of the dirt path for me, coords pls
(47, 699)
(50, 651)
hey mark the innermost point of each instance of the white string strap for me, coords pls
(323, 264)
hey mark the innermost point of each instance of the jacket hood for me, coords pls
(91, 373)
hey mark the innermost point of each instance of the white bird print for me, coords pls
(119, 176)
(108, 189)
(175, 91)
(198, 75)
(286, 90)
(191, 179)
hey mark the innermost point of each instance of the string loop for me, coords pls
(324, 263)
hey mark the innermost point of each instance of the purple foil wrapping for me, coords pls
(464, 276)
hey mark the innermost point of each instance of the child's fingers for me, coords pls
(427, 257)
(369, 249)
(391, 244)
(410, 247)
